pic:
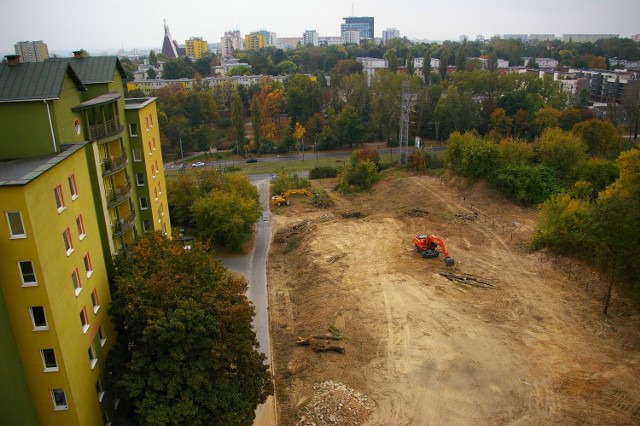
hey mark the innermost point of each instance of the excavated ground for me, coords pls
(529, 347)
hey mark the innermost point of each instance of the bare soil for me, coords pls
(530, 348)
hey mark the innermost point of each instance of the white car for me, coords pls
(198, 164)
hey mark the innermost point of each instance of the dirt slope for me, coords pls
(531, 349)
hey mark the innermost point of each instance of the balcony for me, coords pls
(119, 194)
(106, 131)
(120, 226)
(114, 164)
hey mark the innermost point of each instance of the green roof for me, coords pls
(95, 69)
(35, 80)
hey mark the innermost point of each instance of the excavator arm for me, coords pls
(426, 245)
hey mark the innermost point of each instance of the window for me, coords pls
(94, 301)
(140, 179)
(80, 224)
(150, 152)
(157, 168)
(137, 155)
(72, 187)
(84, 320)
(144, 204)
(88, 266)
(59, 399)
(154, 141)
(160, 188)
(49, 360)
(27, 273)
(133, 129)
(59, 199)
(92, 356)
(146, 122)
(38, 318)
(16, 227)
(155, 193)
(102, 336)
(151, 120)
(99, 390)
(68, 244)
(153, 171)
(77, 284)
(146, 225)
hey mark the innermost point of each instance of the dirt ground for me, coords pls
(530, 348)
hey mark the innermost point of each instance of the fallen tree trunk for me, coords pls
(467, 279)
(317, 343)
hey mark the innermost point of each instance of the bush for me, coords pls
(285, 181)
(322, 172)
(526, 183)
(358, 176)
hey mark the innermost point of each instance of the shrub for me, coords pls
(528, 184)
(322, 172)
(358, 176)
(285, 181)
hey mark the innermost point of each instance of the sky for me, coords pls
(67, 25)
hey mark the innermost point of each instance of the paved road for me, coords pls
(253, 266)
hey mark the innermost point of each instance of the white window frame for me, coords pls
(12, 235)
(88, 265)
(146, 201)
(95, 300)
(57, 192)
(137, 154)
(68, 243)
(77, 284)
(57, 407)
(80, 225)
(37, 327)
(140, 179)
(102, 336)
(44, 361)
(84, 320)
(73, 187)
(131, 129)
(26, 283)
(146, 225)
(93, 360)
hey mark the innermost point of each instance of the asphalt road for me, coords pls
(253, 266)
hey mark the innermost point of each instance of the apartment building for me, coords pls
(310, 37)
(230, 42)
(389, 34)
(68, 206)
(255, 41)
(32, 51)
(196, 47)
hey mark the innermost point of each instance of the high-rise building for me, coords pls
(231, 42)
(169, 45)
(254, 41)
(77, 172)
(362, 24)
(584, 38)
(32, 51)
(388, 34)
(270, 38)
(196, 47)
(310, 37)
(349, 37)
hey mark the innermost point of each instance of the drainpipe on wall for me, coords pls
(53, 136)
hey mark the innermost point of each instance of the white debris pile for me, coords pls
(335, 404)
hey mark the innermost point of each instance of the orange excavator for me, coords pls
(426, 246)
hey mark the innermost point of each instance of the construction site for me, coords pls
(367, 331)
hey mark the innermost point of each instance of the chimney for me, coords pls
(13, 59)
(77, 54)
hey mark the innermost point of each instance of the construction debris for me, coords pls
(335, 404)
(417, 212)
(465, 217)
(319, 344)
(466, 279)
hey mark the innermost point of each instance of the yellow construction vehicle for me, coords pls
(281, 199)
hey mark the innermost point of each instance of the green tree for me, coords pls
(631, 103)
(153, 59)
(560, 150)
(500, 122)
(426, 66)
(515, 151)
(444, 63)
(357, 175)
(392, 60)
(601, 137)
(237, 119)
(410, 66)
(152, 73)
(186, 352)
(256, 120)
(348, 126)
(461, 57)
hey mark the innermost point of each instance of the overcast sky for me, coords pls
(112, 24)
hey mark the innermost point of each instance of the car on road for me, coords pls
(252, 160)
(198, 164)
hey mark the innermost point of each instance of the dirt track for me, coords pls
(532, 349)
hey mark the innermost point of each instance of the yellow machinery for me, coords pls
(281, 199)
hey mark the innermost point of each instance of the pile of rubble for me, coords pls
(335, 404)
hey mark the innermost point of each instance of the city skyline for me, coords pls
(133, 24)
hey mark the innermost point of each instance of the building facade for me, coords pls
(584, 38)
(363, 24)
(310, 37)
(196, 47)
(388, 34)
(230, 42)
(255, 41)
(68, 207)
(32, 51)
(351, 37)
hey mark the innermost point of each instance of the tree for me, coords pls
(560, 150)
(348, 126)
(601, 137)
(631, 102)
(153, 59)
(461, 57)
(186, 352)
(152, 73)
(410, 65)
(237, 119)
(392, 60)
(444, 63)
(500, 122)
(426, 66)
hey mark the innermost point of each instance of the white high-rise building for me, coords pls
(351, 37)
(231, 42)
(388, 34)
(310, 37)
(32, 51)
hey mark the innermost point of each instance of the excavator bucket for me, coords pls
(449, 261)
